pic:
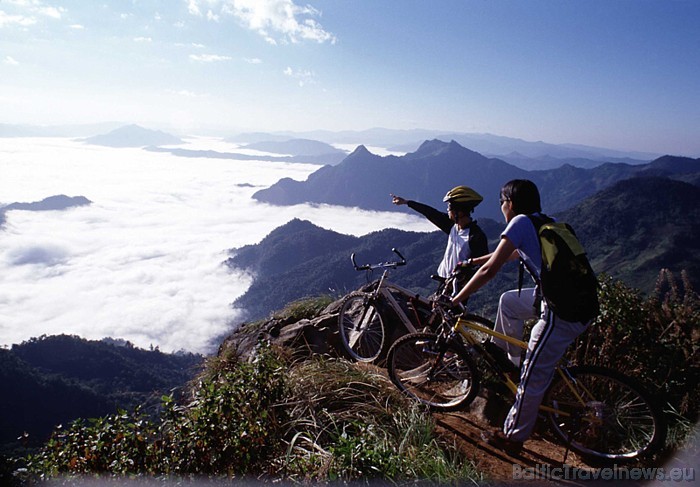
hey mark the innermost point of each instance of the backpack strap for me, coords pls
(537, 221)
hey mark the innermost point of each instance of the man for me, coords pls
(465, 238)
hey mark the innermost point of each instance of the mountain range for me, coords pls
(631, 230)
(489, 144)
(365, 180)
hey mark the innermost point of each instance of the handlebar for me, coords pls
(381, 265)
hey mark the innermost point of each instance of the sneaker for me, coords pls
(497, 439)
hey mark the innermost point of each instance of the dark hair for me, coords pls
(523, 194)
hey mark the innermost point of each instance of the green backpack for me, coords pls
(567, 281)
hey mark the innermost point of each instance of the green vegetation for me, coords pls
(53, 380)
(655, 339)
(267, 418)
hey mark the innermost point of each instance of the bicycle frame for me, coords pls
(384, 289)
(463, 325)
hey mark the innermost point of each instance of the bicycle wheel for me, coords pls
(615, 420)
(361, 327)
(443, 382)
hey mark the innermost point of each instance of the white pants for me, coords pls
(549, 339)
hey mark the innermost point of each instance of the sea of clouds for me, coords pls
(143, 262)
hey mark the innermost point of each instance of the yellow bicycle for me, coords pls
(595, 411)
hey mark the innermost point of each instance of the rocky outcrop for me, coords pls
(305, 337)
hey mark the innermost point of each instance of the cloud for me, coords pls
(21, 20)
(34, 7)
(77, 26)
(208, 58)
(48, 255)
(186, 93)
(143, 262)
(253, 60)
(274, 20)
(10, 60)
(303, 76)
(143, 39)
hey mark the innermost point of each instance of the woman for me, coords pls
(549, 338)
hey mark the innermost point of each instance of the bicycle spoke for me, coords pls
(361, 328)
(445, 381)
(616, 419)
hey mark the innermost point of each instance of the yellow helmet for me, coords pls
(463, 195)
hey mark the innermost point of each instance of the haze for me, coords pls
(620, 74)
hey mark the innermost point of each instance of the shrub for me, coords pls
(654, 338)
(315, 420)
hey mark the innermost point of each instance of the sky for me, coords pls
(622, 74)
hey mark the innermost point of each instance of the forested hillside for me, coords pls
(51, 380)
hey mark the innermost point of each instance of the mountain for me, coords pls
(51, 380)
(133, 136)
(631, 230)
(365, 180)
(323, 159)
(296, 147)
(549, 162)
(58, 202)
(638, 226)
(300, 259)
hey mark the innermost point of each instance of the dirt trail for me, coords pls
(541, 453)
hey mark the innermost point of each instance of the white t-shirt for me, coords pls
(521, 232)
(457, 249)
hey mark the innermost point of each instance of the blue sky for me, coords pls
(622, 74)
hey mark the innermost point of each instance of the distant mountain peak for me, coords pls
(436, 147)
(360, 150)
(133, 136)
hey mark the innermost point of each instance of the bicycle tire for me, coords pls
(411, 367)
(361, 328)
(620, 421)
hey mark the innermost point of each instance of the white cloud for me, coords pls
(77, 26)
(253, 60)
(208, 58)
(30, 9)
(143, 39)
(143, 261)
(193, 7)
(274, 20)
(10, 60)
(21, 20)
(303, 76)
(186, 93)
(52, 12)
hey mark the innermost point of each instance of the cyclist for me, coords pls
(465, 238)
(549, 337)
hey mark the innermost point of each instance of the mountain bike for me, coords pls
(364, 316)
(598, 412)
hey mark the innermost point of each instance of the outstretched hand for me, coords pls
(398, 200)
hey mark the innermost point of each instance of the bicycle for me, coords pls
(598, 412)
(363, 315)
